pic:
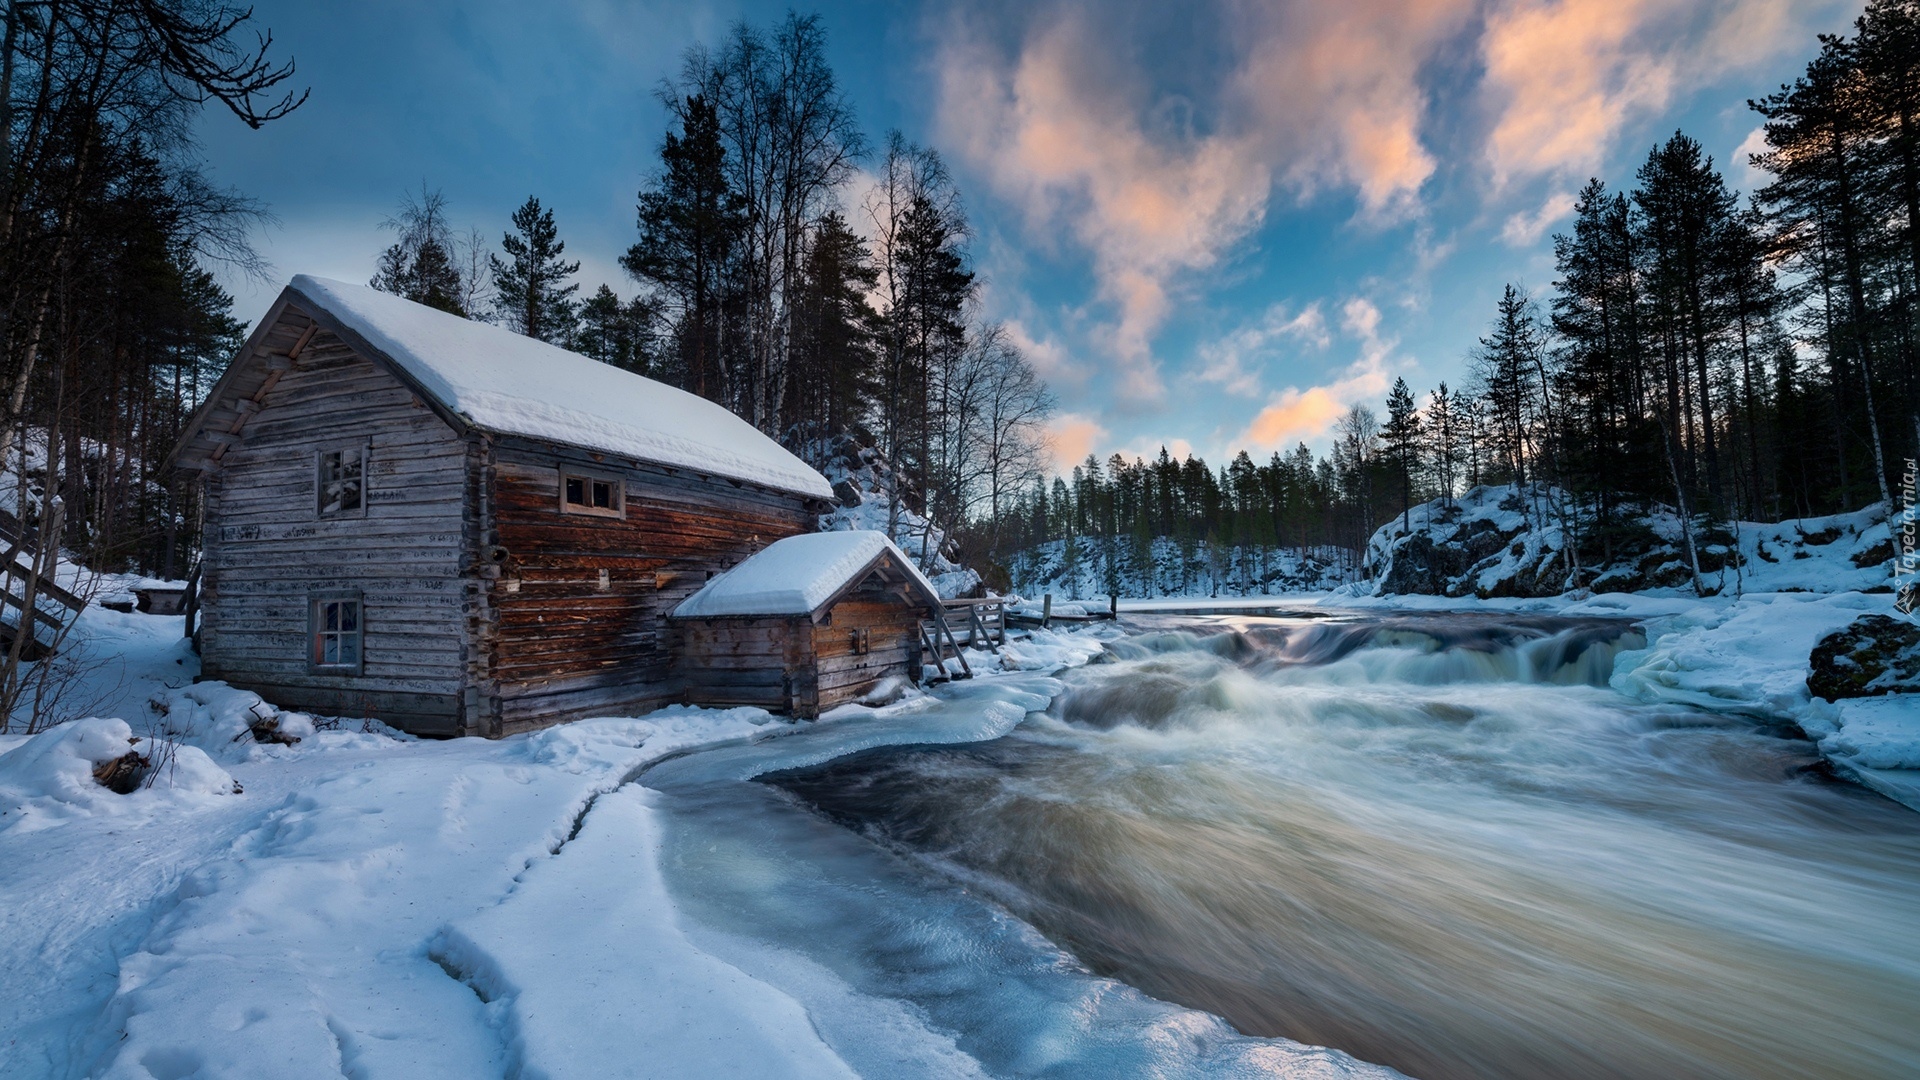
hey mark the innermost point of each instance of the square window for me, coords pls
(336, 635)
(340, 482)
(582, 493)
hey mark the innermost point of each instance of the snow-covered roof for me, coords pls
(508, 383)
(795, 576)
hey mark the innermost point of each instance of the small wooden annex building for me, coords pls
(811, 622)
(457, 529)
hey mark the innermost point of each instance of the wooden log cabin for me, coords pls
(457, 529)
(809, 623)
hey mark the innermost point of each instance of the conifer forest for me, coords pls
(1730, 358)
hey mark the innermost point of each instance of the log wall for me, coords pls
(487, 609)
(893, 646)
(792, 664)
(561, 643)
(268, 551)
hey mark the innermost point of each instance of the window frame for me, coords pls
(316, 603)
(320, 512)
(589, 477)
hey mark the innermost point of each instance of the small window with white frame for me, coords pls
(337, 634)
(340, 482)
(588, 493)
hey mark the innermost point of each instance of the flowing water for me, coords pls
(1436, 842)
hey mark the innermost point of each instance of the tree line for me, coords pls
(768, 280)
(1733, 359)
(111, 324)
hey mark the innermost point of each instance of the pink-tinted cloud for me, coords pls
(1565, 77)
(1295, 414)
(1072, 437)
(1051, 108)
(1320, 96)
(1046, 127)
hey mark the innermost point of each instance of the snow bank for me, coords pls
(49, 777)
(502, 381)
(638, 997)
(1750, 657)
(795, 575)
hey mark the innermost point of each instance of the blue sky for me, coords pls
(1212, 225)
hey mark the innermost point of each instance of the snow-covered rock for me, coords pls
(1512, 541)
(864, 486)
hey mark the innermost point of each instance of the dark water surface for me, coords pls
(1438, 842)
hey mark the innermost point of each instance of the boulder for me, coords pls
(1874, 655)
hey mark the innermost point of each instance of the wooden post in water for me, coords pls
(1046, 611)
(1113, 606)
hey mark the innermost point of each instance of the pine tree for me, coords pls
(1506, 364)
(532, 294)
(832, 354)
(691, 222)
(423, 264)
(1443, 438)
(1402, 436)
(617, 333)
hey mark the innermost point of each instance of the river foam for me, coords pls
(1437, 842)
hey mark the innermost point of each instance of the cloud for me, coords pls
(1565, 77)
(1072, 437)
(1155, 186)
(1295, 414)
(1156, 146)
(1236, 361)
(1049, 358)
(1740, 163)
(1524, 229)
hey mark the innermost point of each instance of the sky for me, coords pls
(1211, 225)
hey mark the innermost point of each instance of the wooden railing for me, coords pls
(958, 625)
(979, 620)
(25, 585)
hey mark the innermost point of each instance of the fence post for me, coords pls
(1046, 611)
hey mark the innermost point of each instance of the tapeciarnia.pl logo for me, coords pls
(1906, 569)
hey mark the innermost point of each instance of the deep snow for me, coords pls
(506, 382)
(795, 575)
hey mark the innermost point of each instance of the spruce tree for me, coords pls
(691, 223)
(1402, 436)
(617, 333)
(422, 264)
(532, 293)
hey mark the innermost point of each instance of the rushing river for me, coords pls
(1438, 843)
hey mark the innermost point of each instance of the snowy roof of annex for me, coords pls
(800, 574)
(516, 385)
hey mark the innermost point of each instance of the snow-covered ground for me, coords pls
(366, 904)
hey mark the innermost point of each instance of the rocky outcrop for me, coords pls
(1874, 655)
(1512, 541)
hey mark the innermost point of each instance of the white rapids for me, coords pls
(1439, 843)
